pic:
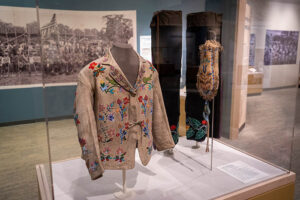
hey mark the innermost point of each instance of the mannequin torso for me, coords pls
(127, 59)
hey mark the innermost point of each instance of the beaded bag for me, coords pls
(208, 78)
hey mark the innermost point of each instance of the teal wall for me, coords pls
(27, 104)
(60, 100)
(23, 104)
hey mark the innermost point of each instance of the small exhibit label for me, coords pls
(242, 171)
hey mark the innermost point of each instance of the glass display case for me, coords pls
(148, 99)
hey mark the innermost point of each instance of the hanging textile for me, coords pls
(201, 26)
(166, 37)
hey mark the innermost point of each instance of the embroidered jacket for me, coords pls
(113, 118)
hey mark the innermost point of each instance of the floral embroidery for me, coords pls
(105, 156)
(108, 87)
(122, 107)
(97, 68)
(150, 147)
(145, 128)
(123, 131)
(107, 115)
(152, 68)
(76, 119)
(145, 105)
(173, 128)
(108, 136)
(94, 166)
(120, 155)
(92, 65)
(174, 133)
(196, 130)
(146, 82)
(82, 143)
(151, 105)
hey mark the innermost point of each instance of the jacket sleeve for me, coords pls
(86, 125)
(162, 136)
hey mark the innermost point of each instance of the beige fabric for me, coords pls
(113, 117)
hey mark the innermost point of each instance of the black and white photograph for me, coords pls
(281, 47)
(252, 50)
(20, 50)
(72, 39)
(67, 41)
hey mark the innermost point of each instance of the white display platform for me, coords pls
(185, 175)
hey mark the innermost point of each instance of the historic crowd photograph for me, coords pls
(72, 39)
(20, 46)
(64, 43)
(281, 47)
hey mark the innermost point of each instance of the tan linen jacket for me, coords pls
(113, 118)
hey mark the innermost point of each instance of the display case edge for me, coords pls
(261, 188)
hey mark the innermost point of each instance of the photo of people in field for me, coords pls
(55, 49)
(281, 47)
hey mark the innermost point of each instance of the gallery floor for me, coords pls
(269, 127)
(24, 146)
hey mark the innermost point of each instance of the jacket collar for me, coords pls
(117, 74)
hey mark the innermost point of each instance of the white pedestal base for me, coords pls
(124, 195)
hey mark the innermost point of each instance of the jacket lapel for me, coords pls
(117, 74)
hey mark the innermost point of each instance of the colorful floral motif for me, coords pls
(92, 65)
(76, 119)
(147, 82)
(120, 155)
(108, 87)
(97, 68)
(82, 143)
(145, 128)
(196, 130)
(105, 156)
(93, 167)
(122, 107)
(123, 130)
(175, 134)
(145, 104)
(151, 105)
(106, 113)
(152, 68)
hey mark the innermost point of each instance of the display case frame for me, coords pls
(37, 125)
(239, 53)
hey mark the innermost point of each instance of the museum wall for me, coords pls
(25, 104)
(274, 15)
